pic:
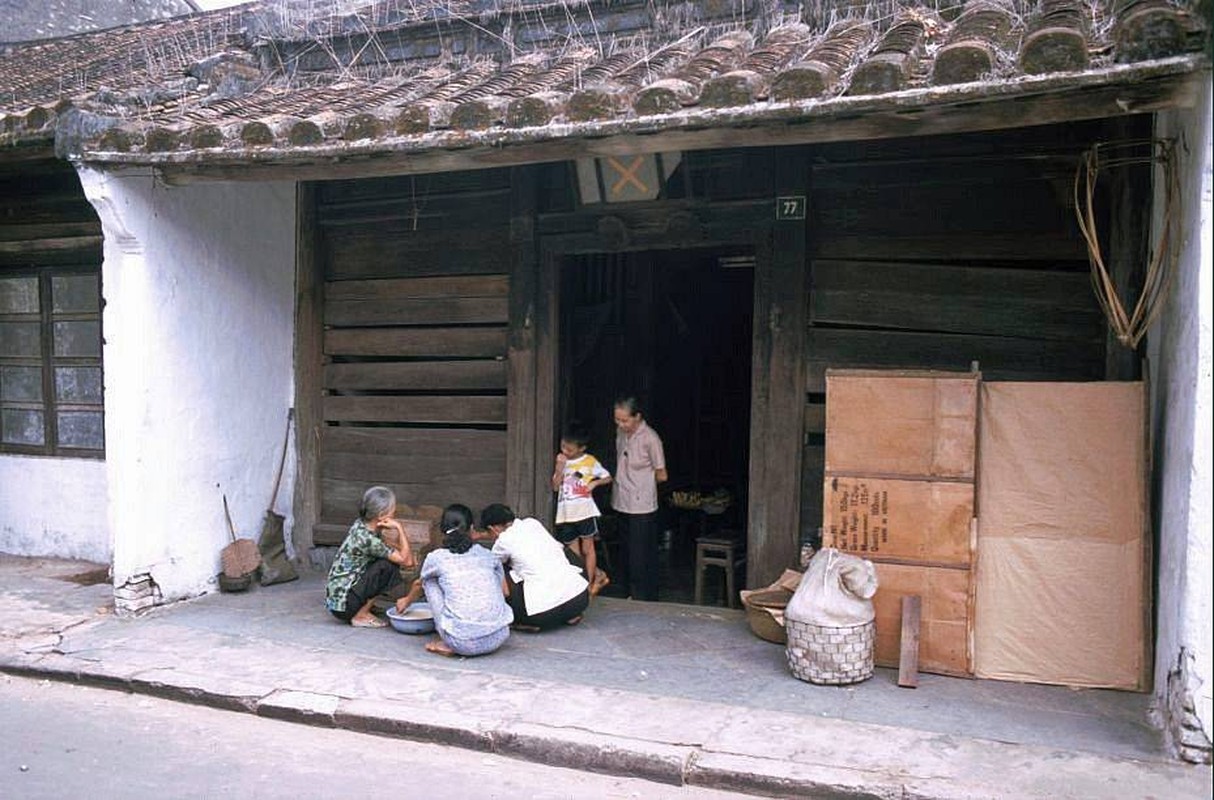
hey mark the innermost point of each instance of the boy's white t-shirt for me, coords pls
(575, 501)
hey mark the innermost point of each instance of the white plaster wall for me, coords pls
(199, 289)
(54, 507)
(1180, 350)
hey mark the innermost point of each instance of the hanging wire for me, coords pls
(1130, 327)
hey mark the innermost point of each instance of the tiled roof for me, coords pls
(397, 75)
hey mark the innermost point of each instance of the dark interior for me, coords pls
(672, 328)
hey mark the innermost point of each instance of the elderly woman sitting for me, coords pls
(465, 586)
(546, 590)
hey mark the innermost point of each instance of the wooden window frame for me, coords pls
(47, 361)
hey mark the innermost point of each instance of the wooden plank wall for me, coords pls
(415, 329)
(941, 252)
(45, 219)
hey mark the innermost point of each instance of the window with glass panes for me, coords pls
(50, 362)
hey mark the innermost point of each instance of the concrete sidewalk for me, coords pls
(677, 694)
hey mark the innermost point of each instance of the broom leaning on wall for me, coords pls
(275, 566)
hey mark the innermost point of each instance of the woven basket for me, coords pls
(833, 656)
(240, 558)
(762, 623)
(239, 584)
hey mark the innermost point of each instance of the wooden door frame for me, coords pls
(779, 329)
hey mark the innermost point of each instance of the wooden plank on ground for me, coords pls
(405, 375)
(429, 409)
(908, 661)
(419, 342)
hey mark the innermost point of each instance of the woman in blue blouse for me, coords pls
(465, 586)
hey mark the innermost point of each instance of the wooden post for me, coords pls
(1127, 241)
(778, 370)
(520, 346)
(309, 366)
(908, 659)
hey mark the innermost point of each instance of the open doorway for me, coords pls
(672, 328)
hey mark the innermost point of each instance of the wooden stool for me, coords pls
(713, 552)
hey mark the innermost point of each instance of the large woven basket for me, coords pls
(833, 656)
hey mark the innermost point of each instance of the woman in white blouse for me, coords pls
(546, 590)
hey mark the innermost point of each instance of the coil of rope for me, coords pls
(1130, 327)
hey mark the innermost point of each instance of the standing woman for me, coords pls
(465, 586)
(640, 466)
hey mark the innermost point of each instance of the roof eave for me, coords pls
(1108, 92)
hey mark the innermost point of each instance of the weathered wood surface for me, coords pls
(417, 342)
(387, 251)
(813, 471)
(416, 375)
(455, 442)
(308, 357)
(1041, 304)
(995, 246)
(1000, 358)
(340, 498)
(333, 195)
(415, 311)
(521, 343)
(457, 286)
(778, 386)
(453, 409)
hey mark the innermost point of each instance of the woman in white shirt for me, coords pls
(546, 590)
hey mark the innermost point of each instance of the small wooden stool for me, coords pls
(714, 552)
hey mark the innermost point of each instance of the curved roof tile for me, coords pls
(220, 85)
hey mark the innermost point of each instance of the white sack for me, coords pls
(835, 592)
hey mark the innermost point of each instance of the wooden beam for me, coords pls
(778, 384)
(908, 659)
(521, 352)
(1114, 92)
(309, 356)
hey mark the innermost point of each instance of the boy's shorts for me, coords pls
(566, 532)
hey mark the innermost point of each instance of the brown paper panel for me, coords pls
(1061, 588)
(1063, 461)
(1064, 612)
(888, 518)
(900, 423)
(944, 626)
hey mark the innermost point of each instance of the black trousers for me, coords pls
(640, 532)
(380, 576)
(553, 616)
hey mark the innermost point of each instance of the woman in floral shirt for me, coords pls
(365, 567)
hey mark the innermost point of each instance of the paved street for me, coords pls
(67, 741)
(682, 695)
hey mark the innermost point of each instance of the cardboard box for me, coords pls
(928, 522)
(944, 627)
(901, 423)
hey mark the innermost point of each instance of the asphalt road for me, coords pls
(66, 741)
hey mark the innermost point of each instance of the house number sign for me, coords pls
(791, 207)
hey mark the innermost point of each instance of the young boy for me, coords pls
(575, 478)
